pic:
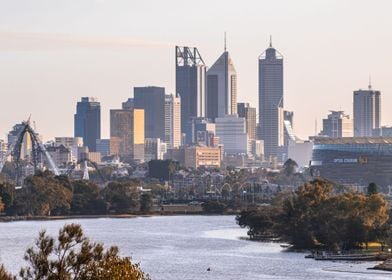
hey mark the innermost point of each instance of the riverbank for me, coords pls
(386, 265)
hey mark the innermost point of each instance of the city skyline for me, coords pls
(77, 55)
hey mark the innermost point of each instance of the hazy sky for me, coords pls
(53, 52)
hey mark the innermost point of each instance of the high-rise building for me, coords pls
(3, 150)
(172, 121)
(128, 105)
(103, 147)
(190, 83)
(87, 121)
(271, 118)
(127, 132)
(201, 131)
(338, 124)
(154, 148)
(152, 101)
(222, 87)
(231, 131)
(249, 114)
(367, 112)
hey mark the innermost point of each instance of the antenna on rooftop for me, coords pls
(370, 82)
(225, 47)
(270, 44)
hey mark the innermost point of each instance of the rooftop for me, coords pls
(352, 140)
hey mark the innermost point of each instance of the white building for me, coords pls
(154, 148)
(71, 143)
(231, 131)
(172, 121)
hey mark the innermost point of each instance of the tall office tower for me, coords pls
(222, 87)
(87, 121)
(231, 131)
(127, 133)
(190, 83)
(337, 125)
(152, 101)
(271, 119)
(172, 121)
(249, 114)
(367, 111)
(3, 150)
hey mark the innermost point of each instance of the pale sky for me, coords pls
(52, 52)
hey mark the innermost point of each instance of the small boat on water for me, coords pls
(324, 256)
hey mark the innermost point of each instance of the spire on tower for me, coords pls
(225, 42)
(270, 45)
(370, 82)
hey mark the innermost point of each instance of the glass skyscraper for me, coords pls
(271, 115)
(87, 121)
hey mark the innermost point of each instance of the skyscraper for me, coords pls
(172, 121)
(367, 111)
(152, 101)
(222, 87)
(87, 121)
(337, 125)
(271, 120)
(190, 83)
(127, 133)
(249, 114)
(231, 131)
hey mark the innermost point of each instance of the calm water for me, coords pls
(183, 247)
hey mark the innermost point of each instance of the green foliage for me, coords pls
(316, 216)
(73, 256)
(42, 195)
(146, 203)
(162, 169)
(214, 207)
(86, 199)
(121, 198)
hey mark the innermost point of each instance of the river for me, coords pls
(183, 247)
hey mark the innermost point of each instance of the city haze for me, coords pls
(54, 52)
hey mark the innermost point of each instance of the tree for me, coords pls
(290, 167)
(372, 189)
(146, 202)
(73, 256)
(1, 207)
(87, 199)
(4, 275)
(120, 198)
(43, 194)
(214, 207)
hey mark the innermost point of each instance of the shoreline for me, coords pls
(9, 219)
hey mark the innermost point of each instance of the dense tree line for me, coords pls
(45, 194)
(316, 216)
(73, 256)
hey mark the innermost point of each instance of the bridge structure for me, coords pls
(37, 156)
(38, 153)
(85, 162)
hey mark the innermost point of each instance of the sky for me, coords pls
(53, 52)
